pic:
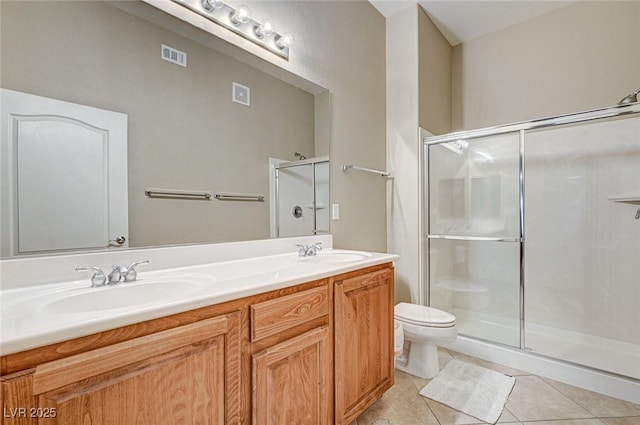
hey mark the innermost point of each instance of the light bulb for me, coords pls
(240, 16)
(263, 30)
(283, 41)
(211, 5)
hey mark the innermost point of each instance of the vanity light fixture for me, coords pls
(239, 16)
(264, 30)
(211, 5)
(240, 22)
(284, 41)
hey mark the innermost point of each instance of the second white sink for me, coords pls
(336, 256)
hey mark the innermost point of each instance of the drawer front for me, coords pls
(371, 279)
(274, 316)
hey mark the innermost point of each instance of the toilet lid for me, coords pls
(421, 315)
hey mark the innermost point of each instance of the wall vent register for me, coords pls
(241, 94)
(174, 55)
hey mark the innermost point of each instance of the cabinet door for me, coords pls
(364, 367)
(188, 375)
(291, 381)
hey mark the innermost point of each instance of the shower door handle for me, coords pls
(474, 238)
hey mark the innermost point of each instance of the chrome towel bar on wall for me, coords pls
(239, 197)
(178, 194)
(385, 174)
(201, 195)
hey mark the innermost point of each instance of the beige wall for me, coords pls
(418, 95)
(435, 55)
(402, 150)
(579, 57)
(340, 46)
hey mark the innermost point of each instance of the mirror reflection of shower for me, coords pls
(299, 196)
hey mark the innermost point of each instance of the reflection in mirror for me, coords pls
(302, 192)
(188, 128)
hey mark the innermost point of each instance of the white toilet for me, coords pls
(425, 328)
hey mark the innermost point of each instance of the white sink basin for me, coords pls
(336, 257)
(129, 294)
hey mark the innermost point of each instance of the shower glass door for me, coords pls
(582, 226)
(474, 234)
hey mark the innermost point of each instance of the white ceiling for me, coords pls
(464, 20)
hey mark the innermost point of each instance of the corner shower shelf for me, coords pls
(627, 199)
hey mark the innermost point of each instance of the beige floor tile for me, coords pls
(401, 405)
(622, 421)
(444, 357)
(507, 417)
(489, 365)
(532, 399)
(600, 405)
(568, 422)
(448, 416)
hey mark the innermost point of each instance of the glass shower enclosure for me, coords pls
(533, 235)
(302, 197)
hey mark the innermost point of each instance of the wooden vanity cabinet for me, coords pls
(292, 359)
(364, 360)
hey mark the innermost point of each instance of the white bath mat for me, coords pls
(471, 389)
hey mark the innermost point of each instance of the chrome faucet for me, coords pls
(308, 250)
(117, 275)
(98, 278)
(132, 274)
(122, 273)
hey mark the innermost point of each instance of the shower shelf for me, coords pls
(627, 199)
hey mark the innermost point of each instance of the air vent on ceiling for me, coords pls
(174, 56)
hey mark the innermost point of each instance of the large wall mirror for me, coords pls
(184, 129)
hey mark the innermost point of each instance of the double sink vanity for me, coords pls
(258, 335)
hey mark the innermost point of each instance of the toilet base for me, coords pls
(421, 360)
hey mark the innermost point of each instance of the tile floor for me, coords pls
(533, 401)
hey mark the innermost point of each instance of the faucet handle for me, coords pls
(302, 250)
(117, 274)
(132, 273)
(98, 278)
(313, 249)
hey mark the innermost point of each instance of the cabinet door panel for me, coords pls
(182, 375)
(363, 342)
(291, 381)
(186, 389)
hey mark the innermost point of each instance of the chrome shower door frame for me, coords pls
(521, 128)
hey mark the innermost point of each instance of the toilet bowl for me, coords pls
(425, 328)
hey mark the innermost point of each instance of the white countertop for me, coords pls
(39, 315)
